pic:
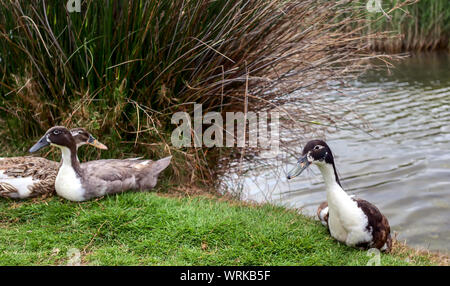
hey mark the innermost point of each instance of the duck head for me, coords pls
(315, 152)
(83, 137)
(61, 137)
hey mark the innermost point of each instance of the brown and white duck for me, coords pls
(80, 182)
(27, 177)
(354, 221)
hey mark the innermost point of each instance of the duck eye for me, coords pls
(316, 147)
(56, 132)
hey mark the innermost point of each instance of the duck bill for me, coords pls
(97, 144)
(302, 164)
(40, 144)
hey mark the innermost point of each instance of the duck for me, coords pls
(322, 212)
(28, 177)
(78, 182)
(353, 221)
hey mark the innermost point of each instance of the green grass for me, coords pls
(149, 229)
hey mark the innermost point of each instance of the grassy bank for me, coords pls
(150, 229)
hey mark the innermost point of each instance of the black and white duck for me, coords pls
(27, 177)
(80, 182)
(350, 220)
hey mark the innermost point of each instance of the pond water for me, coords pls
(402, 164)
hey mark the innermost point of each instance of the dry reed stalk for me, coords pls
(124, 68)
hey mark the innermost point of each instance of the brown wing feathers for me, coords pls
(323, 217)
(42, 170)
(378, 224)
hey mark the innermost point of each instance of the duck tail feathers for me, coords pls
(159, 166)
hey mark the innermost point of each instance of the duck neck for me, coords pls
(76, 155)
(330, 176)
(70, 159)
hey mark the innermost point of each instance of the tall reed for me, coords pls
(419, 25)
(122, 68)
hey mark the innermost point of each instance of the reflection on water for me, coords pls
(402, 166)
